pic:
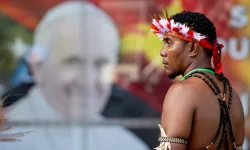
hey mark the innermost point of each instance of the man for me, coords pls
(201, 111)
(75, 50)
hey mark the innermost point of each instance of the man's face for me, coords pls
(173, 55)
(73, 78)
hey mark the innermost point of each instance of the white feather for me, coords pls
(164, 23)
(184, 30)
(198, 36)
(160, 35)
(174, 25)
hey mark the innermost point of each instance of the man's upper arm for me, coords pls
(178, 111)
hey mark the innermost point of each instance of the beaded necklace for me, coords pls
(198, 69)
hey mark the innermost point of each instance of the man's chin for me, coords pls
(171, 75)
(79, 116)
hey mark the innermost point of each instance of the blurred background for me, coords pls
(87, 75)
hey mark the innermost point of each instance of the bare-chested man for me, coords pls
(202, 111)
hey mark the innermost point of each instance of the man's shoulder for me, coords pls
(182, 93)
(178, 110)
(189, 89)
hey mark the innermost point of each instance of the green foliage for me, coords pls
(9, 31)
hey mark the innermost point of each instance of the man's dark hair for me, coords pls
(199, 23)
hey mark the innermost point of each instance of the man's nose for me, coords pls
(92, 78)
(163, 52)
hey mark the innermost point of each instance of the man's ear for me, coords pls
(36, 58)
(35, 67)
(194, 48)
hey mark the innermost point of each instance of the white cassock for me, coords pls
(34, 107)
